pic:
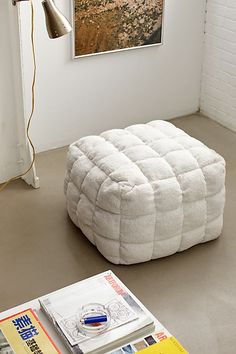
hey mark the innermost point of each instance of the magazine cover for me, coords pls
(127, 317)
(23, 333)
(160, 341)
(168, 346)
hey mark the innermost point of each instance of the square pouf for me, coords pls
(145, 192)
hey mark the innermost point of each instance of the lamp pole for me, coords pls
(57, 26)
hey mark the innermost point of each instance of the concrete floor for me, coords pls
(192, 293)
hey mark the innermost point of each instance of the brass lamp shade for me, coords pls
(56, 22)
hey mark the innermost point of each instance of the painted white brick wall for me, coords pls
(218, 91)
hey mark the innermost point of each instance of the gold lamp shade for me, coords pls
(56, 22)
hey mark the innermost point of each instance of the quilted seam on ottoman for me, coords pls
(145, 192)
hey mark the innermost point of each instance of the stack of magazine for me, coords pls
(128, 319)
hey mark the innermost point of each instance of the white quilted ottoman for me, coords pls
(145, 192)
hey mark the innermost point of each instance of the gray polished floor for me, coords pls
(192, 293)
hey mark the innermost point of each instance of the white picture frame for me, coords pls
(76, 56)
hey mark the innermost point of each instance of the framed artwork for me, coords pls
(102, 26)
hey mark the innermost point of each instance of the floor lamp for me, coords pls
(57, 26)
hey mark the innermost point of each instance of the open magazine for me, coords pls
(128, 320)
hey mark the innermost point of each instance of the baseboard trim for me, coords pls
(230, 124)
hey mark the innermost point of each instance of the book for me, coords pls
(128, 319)
(167, 346)
(24, 333)
(160, 341)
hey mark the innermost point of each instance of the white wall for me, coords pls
(88, 95)
(218, 96)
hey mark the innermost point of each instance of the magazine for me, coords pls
(128, 319)
(168, 346)
(23, 333)
(160, 341)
